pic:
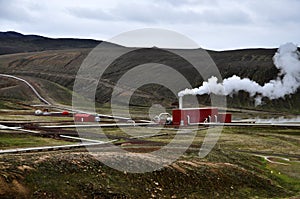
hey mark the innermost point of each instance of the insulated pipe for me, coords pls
(180, 102)
(29, 85)
(216, 118)
(188, 119)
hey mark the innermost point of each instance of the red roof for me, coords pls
(82, 115)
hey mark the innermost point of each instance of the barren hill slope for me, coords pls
(60, 67)
(14, 42)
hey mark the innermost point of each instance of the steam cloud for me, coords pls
(286, 59)
(278, 120)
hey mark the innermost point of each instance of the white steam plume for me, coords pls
(278, 120)
(286, 59)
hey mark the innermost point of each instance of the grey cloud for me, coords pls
(206, 12)
(176, 3)
(231, 16)
(214, 23)
(13, 11)
(166, 13)
(179, 2)
(92, 13)
(275, 12)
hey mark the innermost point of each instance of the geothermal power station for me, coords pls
(286, 59)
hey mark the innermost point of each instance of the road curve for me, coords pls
(29, 85)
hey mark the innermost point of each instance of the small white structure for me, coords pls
(38, 112)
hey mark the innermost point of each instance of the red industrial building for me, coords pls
(190, 116)
(224, 117)
(83, 117)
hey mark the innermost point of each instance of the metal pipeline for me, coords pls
(200, 123)
(216, 118)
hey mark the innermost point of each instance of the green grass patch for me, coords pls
(287, 175)
(230, 170)
(8, 141)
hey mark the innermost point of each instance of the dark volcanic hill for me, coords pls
(59, 66)
(14, 42)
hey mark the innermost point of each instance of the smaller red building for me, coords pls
(65, 113)
(82, 117)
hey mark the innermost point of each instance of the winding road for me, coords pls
(29, 85)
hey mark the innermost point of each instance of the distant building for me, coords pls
(83, 117)
(188, 116)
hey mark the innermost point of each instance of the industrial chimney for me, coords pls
(180, 102)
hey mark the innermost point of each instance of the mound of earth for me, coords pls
(80, 175)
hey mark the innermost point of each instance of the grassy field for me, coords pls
(17, 140)
(235, 168)
(246, 162)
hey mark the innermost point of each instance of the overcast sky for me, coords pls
(213, 24)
